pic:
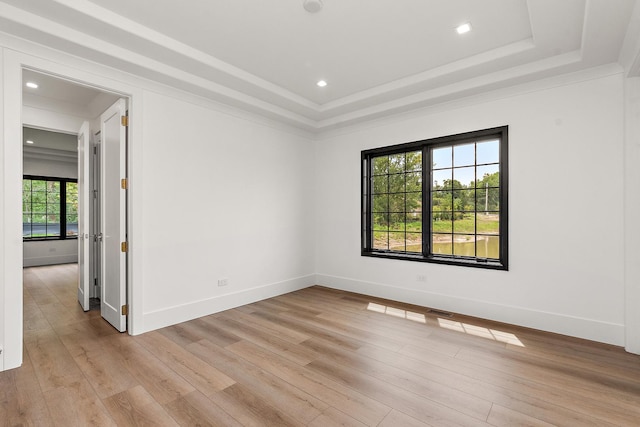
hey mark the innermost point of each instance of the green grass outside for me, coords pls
(487, 224)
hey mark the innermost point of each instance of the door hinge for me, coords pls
(124, 183)
(125, 310)
(124, 247)
(124, 120)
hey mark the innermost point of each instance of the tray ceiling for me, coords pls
(378, 57)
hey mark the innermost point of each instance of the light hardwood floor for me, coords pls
(316, 357)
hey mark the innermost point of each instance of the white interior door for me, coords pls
(84, 200)
(113, 215)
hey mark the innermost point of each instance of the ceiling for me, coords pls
(49, 140)
(378, 57)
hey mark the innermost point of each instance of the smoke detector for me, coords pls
(312, 6)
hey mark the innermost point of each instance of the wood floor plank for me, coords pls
(294, 352)
(162, 382)
(250, 409)
(136, 407)
(296, 403)
(362, 408)
(195, 330)
(76, 404)
(105, 372)
(441, 393)
(314, 357)
(195, 409)
(21, 399)
(310, 329)
(203, 376)
(334, 418)
(405, 401)
(53, 365)
(266, 326)
(555, 405)
(397, 418)
(505, 417)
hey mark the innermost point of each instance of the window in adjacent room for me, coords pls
(49, 208)
(439, 200)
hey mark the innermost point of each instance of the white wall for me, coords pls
(223, 197)
(566, 242)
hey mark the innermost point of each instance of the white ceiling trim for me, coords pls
(172, 62)
(133, 29)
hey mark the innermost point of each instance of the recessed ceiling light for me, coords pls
(32, 85)
(464, 28)
(29, 141)
(312, 6)
(321, 83)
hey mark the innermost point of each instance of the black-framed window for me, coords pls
(440, 200)
(49, 208)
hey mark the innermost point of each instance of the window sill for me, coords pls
(466, 262)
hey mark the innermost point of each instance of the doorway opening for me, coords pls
(96, 160)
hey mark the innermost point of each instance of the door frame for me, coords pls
(12, 63)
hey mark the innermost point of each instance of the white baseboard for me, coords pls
(590, 329)
(182, 313)
(50, 260)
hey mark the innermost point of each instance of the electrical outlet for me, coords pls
(223, 282)
(421, 278)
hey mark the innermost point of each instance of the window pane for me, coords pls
(442, 222)
(441, 201)
(488, 174)
(488, 152)
(442, 244)
(441, 179)
(464, 155)
(488, 247)
(381, 221)
(380, 240)
(463, 200)
(413, 181)
(53, 186)
(38, 197)
(37, 185)
(53, 229)
(397, 222)
(464, 245)
(414, 242)
(413, 161)
(72, 225)
(396, 202)
(463, 176)
(381, 203)
(488, 223)
(441, 157)
(39, 208)
(396, 241)
(396, 163)
(464, 223)
(381, 165)
(414, 222)
(380, 184)
(396, 183)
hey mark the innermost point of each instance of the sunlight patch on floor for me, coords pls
(480, 331)
(396, 312)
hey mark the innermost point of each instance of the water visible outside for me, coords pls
(47, 230)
